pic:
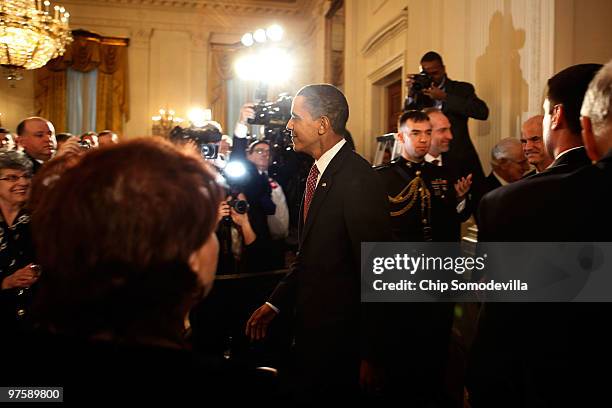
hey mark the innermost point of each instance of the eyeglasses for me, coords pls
(13, 178)
(261, 151)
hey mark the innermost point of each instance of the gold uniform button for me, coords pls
(20, 312)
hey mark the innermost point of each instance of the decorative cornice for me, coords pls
(387, 67)
(387, 31)
(288, 8)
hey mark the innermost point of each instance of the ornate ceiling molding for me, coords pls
(280, 8)
(395, 26)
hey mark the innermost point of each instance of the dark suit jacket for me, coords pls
(491, 183)
(36, 165)
(524, 354)
(332, 332)
(569, 162)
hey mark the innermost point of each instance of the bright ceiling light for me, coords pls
(244, 67)
(247, 40)
(198, 116)
(271, 65)
(260, 35)
(275, 32)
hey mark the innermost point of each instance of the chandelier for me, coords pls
(31, 33)
(164, 122)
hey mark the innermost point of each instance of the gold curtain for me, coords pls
(112, 91)
(87, 52)
(219, 73)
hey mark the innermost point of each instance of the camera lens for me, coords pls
(241, 206)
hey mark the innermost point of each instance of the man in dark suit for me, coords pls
(532, 140)
(37, 138)
(458, 101)
(523, 352)
(344, 205)
(508, 164)
(563, 101)
(596, 124)
(458, 173)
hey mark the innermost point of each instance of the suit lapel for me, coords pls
(321, 192)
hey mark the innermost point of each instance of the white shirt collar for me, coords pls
(429, 158)
(568, 150)
(327, 157)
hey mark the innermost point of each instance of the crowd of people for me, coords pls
(106, 247)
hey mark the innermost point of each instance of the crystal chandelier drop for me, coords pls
(31, 33)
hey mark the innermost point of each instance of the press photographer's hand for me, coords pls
(246, 112)
(224, 209)
(409, 82)
(435, 93)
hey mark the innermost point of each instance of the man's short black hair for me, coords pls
(413, 115)
(432, 56)
(568, 88)
(327, 100)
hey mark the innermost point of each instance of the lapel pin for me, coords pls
(324, 184)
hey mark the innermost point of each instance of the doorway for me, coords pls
(394, 105)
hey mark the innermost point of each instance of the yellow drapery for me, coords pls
(219, 72)
(87, 52)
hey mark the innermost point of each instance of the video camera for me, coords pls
(272, 114)
(421, 81)
(206, 138)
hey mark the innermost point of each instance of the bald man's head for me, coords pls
(37, 137)
(533, 143)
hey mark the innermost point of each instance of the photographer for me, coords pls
(235, 235)
(263, 254)
(458, 101)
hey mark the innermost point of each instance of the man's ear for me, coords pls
(325, 125)
(557, 118)
(588, 138)
(399, 136)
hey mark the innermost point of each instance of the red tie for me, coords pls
(311, 185)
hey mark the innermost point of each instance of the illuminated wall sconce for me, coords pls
(164, 122)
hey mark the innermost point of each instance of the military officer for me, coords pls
(422, 205)
(422, 198)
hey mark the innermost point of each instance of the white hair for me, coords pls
(598, 101)
(505, 149)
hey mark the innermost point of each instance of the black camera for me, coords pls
(206, 138)
(240, 206)
(421, 81)
(272, 114)
(84, 144)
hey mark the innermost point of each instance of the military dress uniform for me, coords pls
(422, 204)
(422, 200)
